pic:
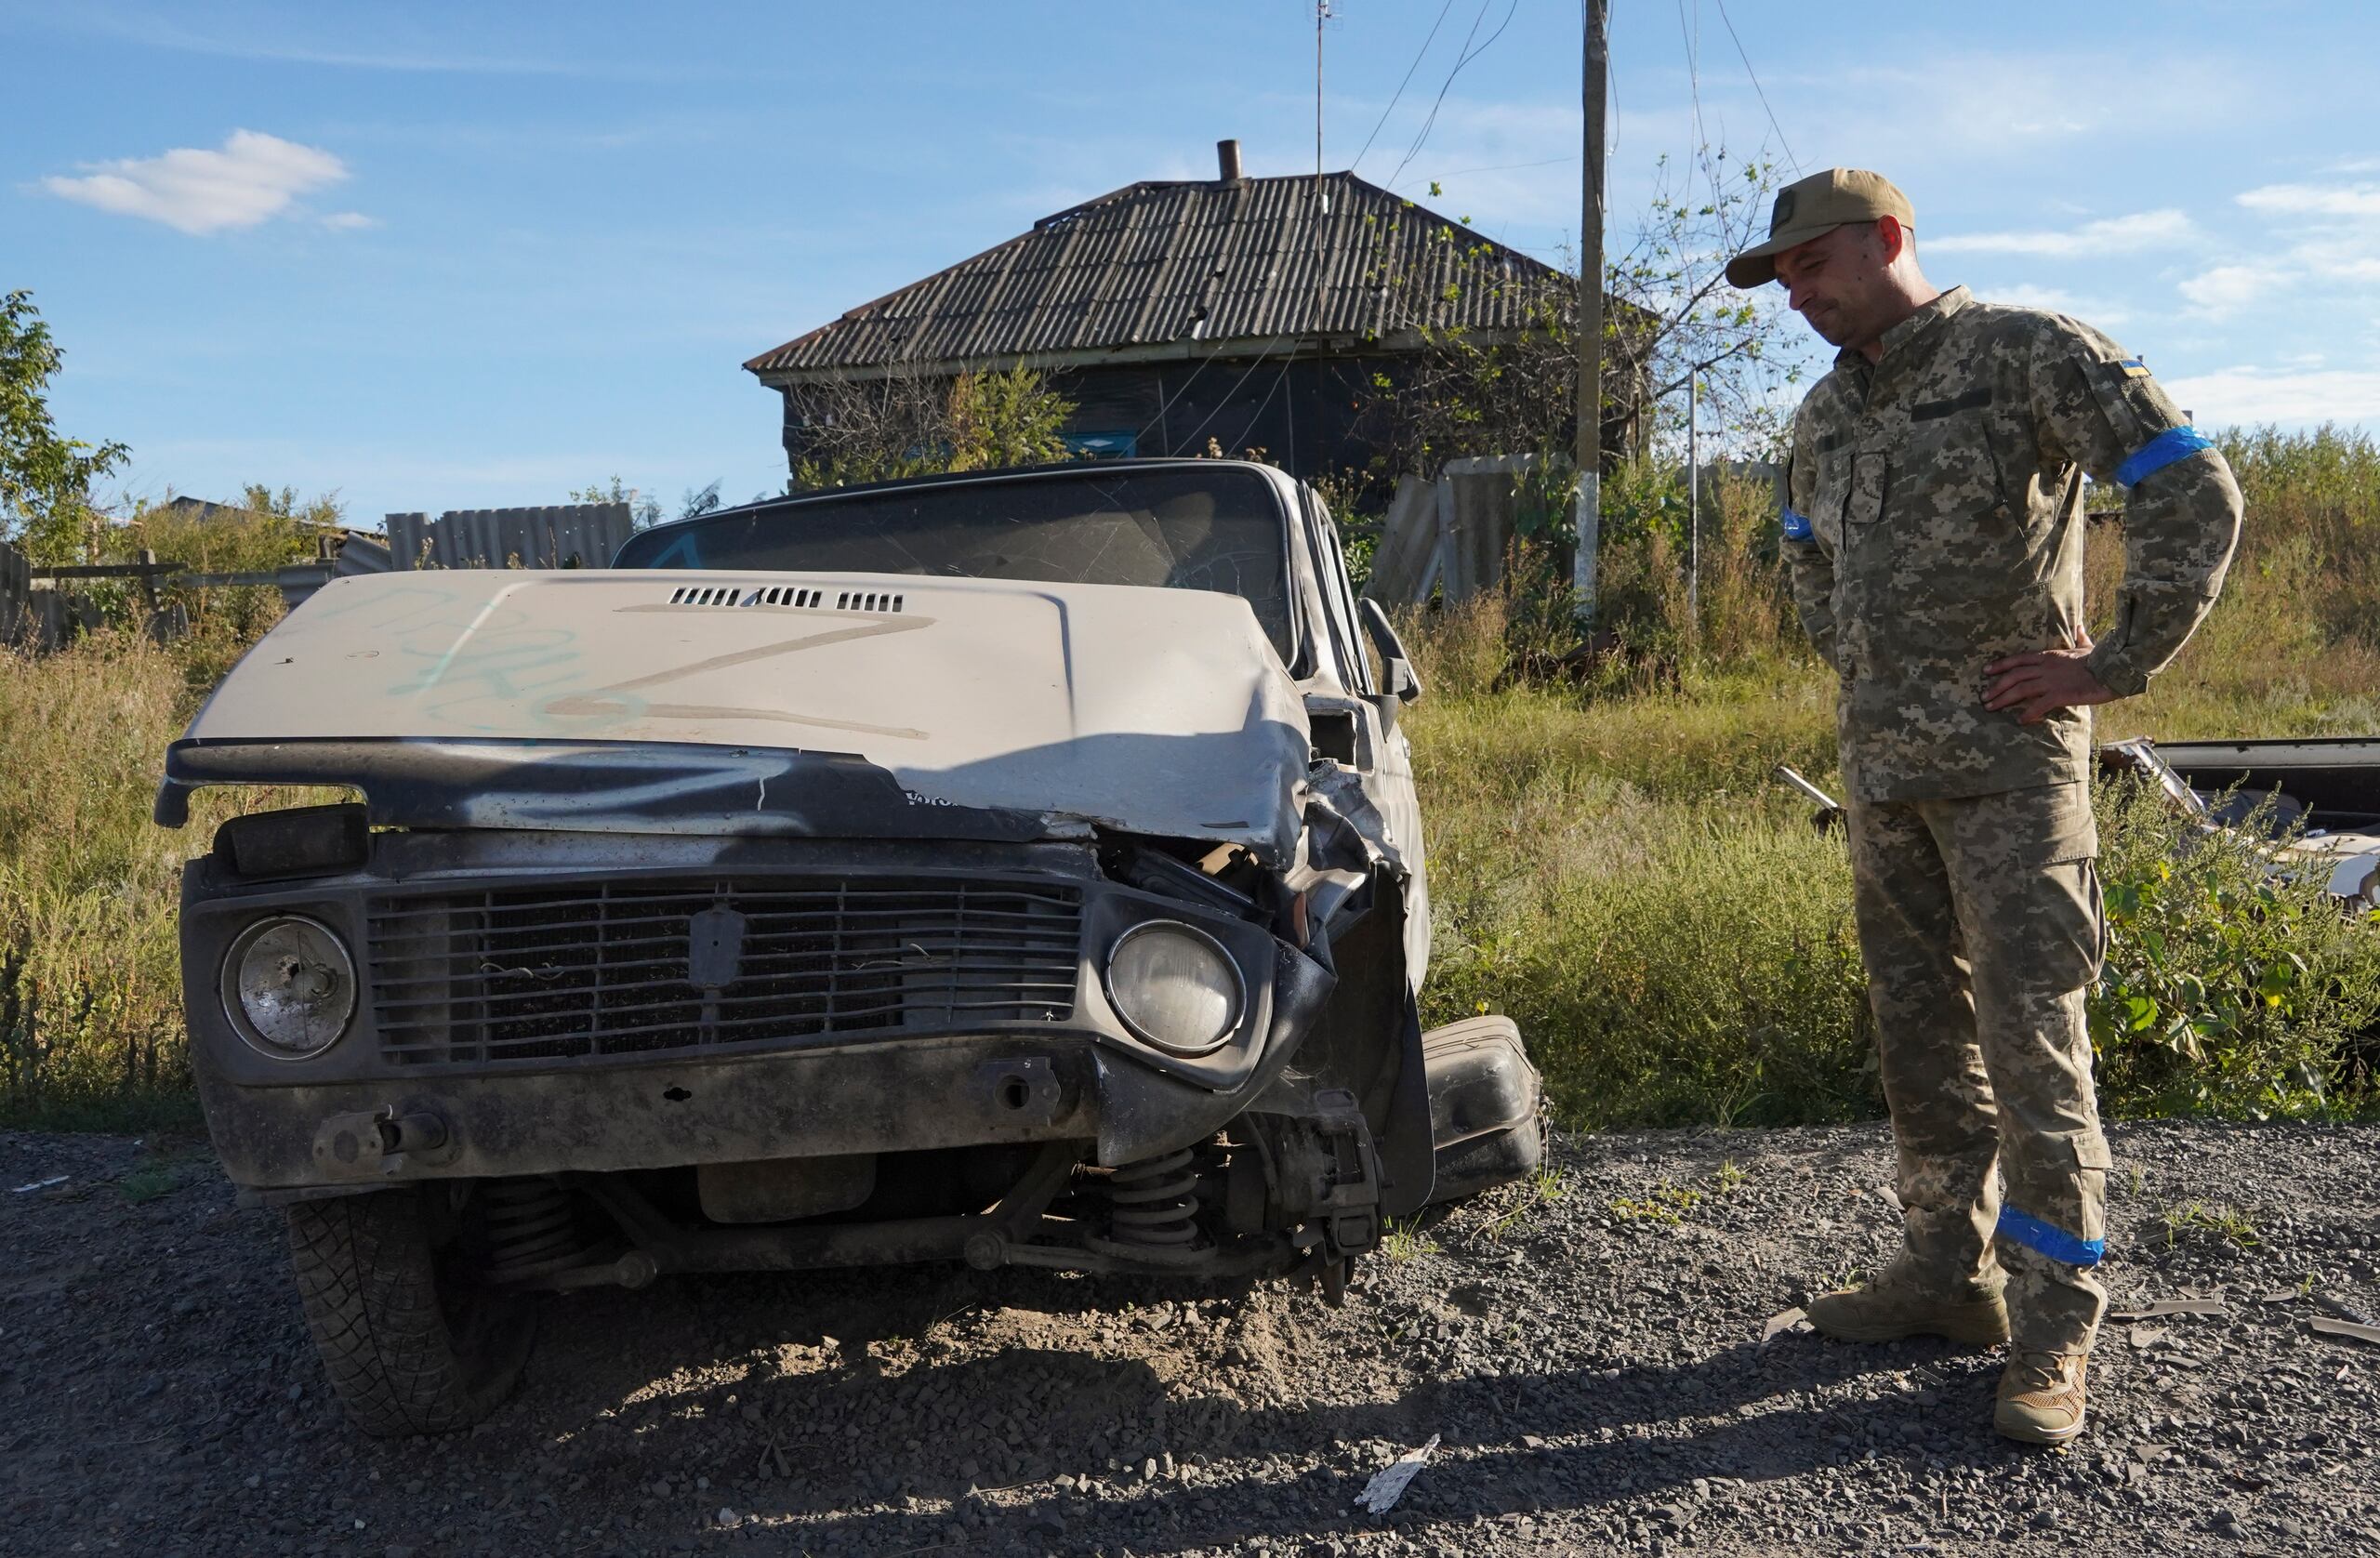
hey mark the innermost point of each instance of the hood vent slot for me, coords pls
(786, 595)
(798, 596)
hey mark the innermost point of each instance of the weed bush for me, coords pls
(2234, 983)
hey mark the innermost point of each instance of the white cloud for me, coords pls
(2315, 200)
(2243, 395)
(349, 220)
(2226, 289)
(2344, 259)
(2111, 235)
(2059, 301)
(252, 179)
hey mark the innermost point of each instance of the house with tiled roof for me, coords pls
(1235, 311)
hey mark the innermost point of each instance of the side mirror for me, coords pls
(1403, 682)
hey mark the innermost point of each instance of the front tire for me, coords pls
(412, 1342)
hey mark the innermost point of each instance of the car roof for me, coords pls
(1067, 468)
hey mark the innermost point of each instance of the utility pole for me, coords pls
(1321, 249)
(1590, 318)
(1694, 509)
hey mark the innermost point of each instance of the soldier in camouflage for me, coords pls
(1934, 531)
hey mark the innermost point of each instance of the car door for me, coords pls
(1382, 756)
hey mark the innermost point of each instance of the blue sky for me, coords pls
(444, 257)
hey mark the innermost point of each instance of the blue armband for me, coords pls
(1796, 527)
(2173, 444)
(2050, 1239)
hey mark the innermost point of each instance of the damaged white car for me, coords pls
(1020, 868)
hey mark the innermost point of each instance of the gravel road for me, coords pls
(1589, 1354)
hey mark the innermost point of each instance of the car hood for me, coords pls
(1158, 711)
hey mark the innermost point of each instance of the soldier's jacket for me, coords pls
(1934, 524)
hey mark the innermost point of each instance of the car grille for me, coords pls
(612, 969)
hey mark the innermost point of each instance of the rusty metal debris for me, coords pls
(2160, 1307)
(2322, 1325)
(2340, 1310)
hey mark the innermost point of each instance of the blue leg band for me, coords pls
(2049, 1239)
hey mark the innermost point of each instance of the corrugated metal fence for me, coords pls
(1451, 536)
(562, 536)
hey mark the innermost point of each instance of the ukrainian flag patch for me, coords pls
(2134, 368)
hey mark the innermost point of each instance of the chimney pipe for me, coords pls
(1227, 161)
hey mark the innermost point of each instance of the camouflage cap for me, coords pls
(1813, 206)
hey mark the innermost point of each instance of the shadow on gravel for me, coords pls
(1742, 1412)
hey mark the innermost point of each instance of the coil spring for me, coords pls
(1156, 1201)
(530, 1228)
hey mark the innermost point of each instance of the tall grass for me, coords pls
(1612, 864)
(90, 995)
(90, 1015)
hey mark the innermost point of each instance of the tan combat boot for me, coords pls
(1897, 1304)
(2041, 1397)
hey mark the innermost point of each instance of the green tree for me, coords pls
(44, 479)
(1013, 418)
(1668, 316)
(906, 424)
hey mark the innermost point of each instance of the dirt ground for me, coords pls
(1589, 1354)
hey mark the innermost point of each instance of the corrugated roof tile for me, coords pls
(1157, 263)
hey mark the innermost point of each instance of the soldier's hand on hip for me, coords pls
(2039, 684)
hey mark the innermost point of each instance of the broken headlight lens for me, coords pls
(1175, 987)
(289, 987)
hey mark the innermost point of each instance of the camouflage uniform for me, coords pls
(1934, 526)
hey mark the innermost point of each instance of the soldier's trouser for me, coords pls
(1981, 925)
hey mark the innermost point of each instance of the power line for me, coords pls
(1257, 415)
(1502, 167)
(1169, 401)
(1710, 165)
(1757, 92)
(1693, 75)
(1401, 86)
(1236, 383)
(1468, 56)
(1461, 54)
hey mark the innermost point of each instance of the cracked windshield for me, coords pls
(1209, 529)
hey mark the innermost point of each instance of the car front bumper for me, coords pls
(383, 1105)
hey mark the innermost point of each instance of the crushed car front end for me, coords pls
(1036, 993)
(503, 1004)
(1050, 895)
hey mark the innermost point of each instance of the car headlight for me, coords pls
(289, 987)
(1175, 986)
